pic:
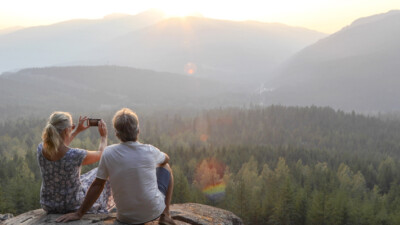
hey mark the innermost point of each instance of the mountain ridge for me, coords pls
(102, 88)
(62, 42)
(220, 49)
(355, 68)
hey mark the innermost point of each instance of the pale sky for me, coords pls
(322, 15)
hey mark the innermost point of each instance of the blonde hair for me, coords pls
(51, 136)
(126, 124)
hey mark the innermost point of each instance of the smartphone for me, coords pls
(93, 122)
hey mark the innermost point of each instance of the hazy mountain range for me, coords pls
(355, 68)
(9, 30)
(66, 42)
(102, 88)
(218, 49)
(229, 63)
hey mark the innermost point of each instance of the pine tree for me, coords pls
(316, 212)
(284, 211)
(181, 192)
(386, 174)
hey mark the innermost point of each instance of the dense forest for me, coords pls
(268, 165)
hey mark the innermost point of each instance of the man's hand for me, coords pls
(68, 217)
(91, 196)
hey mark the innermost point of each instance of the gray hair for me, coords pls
(126, 124)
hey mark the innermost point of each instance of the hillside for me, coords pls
(103, 88)
(63, 42)
(355, 68)
(9, 30)
(223, 50)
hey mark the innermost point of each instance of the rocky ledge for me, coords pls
(5, 217)
(188, 213)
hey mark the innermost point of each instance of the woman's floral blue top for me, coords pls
(63, 188)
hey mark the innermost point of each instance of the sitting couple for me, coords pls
(138, 175)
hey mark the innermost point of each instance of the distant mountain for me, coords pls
(64, 42)
(9, 30)
(217, 49)
(102, 88)
(355, 68)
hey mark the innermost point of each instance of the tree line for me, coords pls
(268, 165)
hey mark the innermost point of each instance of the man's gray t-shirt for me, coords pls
(131, 169)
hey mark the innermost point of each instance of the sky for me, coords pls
(327, 16)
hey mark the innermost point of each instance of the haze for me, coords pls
(222, 62)
(325, 16)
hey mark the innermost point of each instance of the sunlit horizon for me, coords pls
(324, 16)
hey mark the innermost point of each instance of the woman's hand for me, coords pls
(102, 128)
(82, 124)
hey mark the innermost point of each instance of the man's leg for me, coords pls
(165, 217)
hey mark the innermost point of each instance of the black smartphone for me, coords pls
(93, 122)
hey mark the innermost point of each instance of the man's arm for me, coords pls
(165, 161)
(91, 196)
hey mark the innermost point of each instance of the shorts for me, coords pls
(163, 178)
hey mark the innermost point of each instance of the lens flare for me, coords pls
(210, 178)
(190, 68)
(201, 127)
(215, 192)
(203, 137)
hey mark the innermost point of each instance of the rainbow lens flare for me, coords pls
(215, 192)
(210, 178)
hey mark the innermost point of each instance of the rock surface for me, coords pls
(5, 216)
(188, 213)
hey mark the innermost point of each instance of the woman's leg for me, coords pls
(105, 202)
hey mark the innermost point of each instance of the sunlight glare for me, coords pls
(177, 8)
(190, 68)
(327, 16)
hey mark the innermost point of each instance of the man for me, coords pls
(140, 177)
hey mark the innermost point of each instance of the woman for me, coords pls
(63, 189)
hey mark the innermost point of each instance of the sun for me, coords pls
(179, 9)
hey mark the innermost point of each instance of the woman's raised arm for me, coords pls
(94, 156)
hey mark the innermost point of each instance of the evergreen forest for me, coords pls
(268, 165)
